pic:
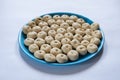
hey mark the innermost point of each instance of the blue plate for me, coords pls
(88, 56)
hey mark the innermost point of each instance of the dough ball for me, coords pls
(26, 29)
(85, 42)
(56, 17)
(59, 36)
(33, 48)
(61, 30)
(87, 37)
(39, 54)
(97, 34)
(68, 35)
(94, 26)
(48, 39)
(85, 25)
(91, 48)
(46, 48)
(78, 37)
(70, 22)
(28, 41)
(32, 34)
(36, 29)
(65, 17)
(73, 55)
(75, 43)
(46, 17)
(82, 49)
(42, 34)
(71, 30)
(80, 20)
(95, 41)
(55, 27)
(43, 23)
(65, 41)
(31, 23)
(66, 48)
(88, 31)
(80, 31)
(38, 20)
(55, 51)
(51, 21)
(64, 25)
(61, 58)
(59, 21)
(39, 41)
(52, 33)
(55, 43)
(76, 25)
(73, 17)
(49, 58)
(45, 28)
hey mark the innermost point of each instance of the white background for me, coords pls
(15, 13)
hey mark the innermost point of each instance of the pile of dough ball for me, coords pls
(61, 38)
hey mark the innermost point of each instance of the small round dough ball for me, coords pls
(49, 58)
(48, 39)
(64, 25)
(33, 48)
(59, 21)
(80, 20)
(73, 17)
(39, 54)
(71, 30)
(94, 26)
(43, 23)
(46, 17)
(69, 35)
(39, 41)
(26, 29)
(65, 41)
(31, 23)
(75, 43)
(46, 48)
(85, 25)
(55, 43)
(55, 51)
(61, 30)
(56, 17)
(66, 48)
(97, 34)
(88, 31)
(73, 55)
(32, 34)
(36, 29)
(76, 25)
(51, 21)
(38, 20)
(87, 37)
(82, 49)
(59, 36)
(84, 42)
(28, 41)
(95, 41)
(45, 28)
(70, 22)
(42, 34)
(52, 33)
(80, 31)
(65, 17)
(61, 58)
(55, 27)
(91, 48)
(78, 37)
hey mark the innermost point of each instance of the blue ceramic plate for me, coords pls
(88, 56)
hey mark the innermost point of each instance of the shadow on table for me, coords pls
(61, 70)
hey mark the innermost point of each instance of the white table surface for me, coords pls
(15, 13)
